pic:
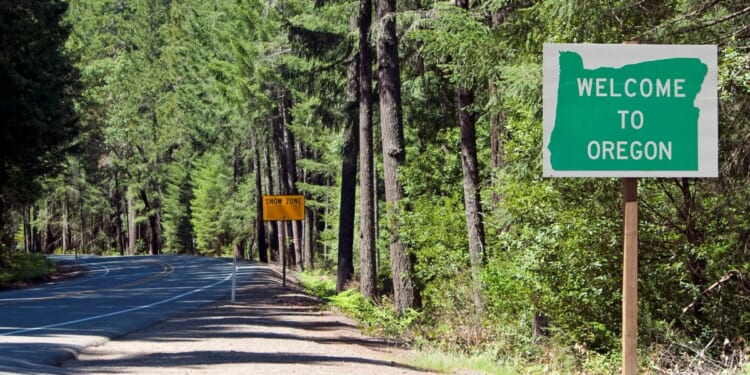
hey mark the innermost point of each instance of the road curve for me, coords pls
(42, 326)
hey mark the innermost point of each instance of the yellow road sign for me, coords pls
(283, 207)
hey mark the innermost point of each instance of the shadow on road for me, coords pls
(267, 325)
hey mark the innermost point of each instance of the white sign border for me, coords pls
(615, 56)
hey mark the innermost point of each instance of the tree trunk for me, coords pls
(65, 225)
(281, 182)
(345, 268)
(498, 130)
(290, 176)
(309, 238)
(291, 252)
(406, 294)
(239, 249)
(472, 203)
(82, 247)
(36, 235)
(118, 218)
(236, 167)
(153, 225)
(132, 228)
(497, 135)
(271, 225)
(472, 198)
(367, 223)
(281, 226)
(49, 237)
(26, 230)
(260, 228)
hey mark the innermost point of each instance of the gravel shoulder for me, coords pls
(269, 330)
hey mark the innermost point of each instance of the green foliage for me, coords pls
(175, 98)
(178, 229)
(212, 189)
(459, 43)
(435, 228)
(37, 85)
(24, 267)
(456, 362)
(375, 319)
(317, 284)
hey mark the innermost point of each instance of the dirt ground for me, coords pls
(269, 330)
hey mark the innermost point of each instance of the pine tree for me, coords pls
(406, 292)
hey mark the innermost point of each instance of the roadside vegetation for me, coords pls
(18, 268)
(151, 127)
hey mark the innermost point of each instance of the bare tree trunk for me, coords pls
(498, 129)
(82, 247)
(153, 225)
(49, 242)
(406, 293)
(26, 230)
(132, 228)
(367, 223)
(271, 225)
(118, 218)
(290, 177)
(65, 225)
(345, 268)
(309, 238)
(260, 228)
(472, 203)
(36, 235)
(281, 182)
(472, 199)
(497, 134)
(291, 251)
(239, 249)
(281, 226)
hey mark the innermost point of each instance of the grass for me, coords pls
(380, 319)
(513, 357)
(445, 362)
(318, 284)
(19, 267)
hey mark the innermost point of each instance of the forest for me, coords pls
(414, 131)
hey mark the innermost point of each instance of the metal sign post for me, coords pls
(282, 208)
(234, 276)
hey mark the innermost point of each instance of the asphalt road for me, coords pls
(42, 326)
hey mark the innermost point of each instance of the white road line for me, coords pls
(105, 273)
(25, 330)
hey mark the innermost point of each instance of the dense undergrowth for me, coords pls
(17, 267)
(503, 346)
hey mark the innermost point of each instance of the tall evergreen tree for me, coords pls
(37, 86)
(345, 268)
(472, 194)
(406, 292)
(368, 204)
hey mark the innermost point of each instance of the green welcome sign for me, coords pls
(630, 110)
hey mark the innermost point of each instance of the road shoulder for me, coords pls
(270, 329)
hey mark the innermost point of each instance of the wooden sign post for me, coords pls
(630, 277)
(630, 111)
